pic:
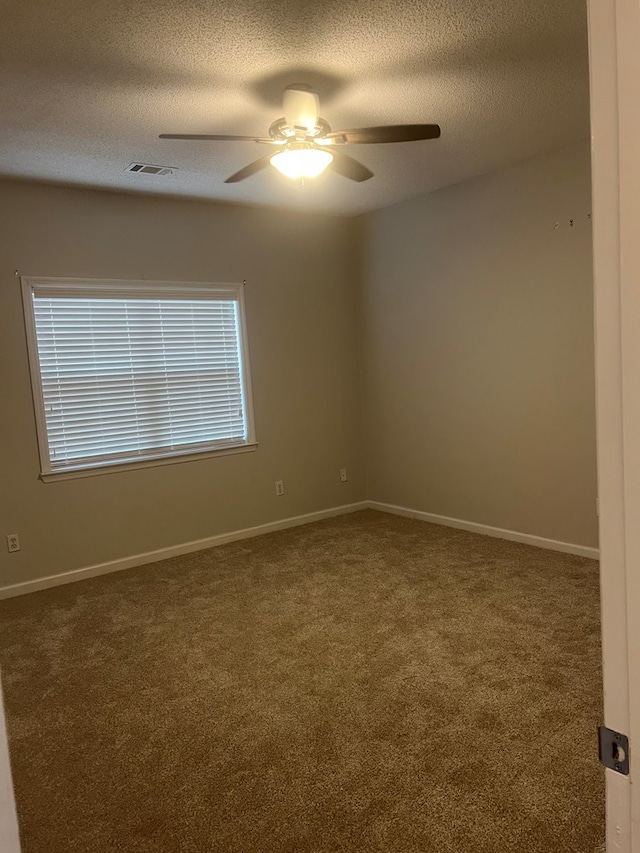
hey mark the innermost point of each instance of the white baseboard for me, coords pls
(174, 551)
(283, 524)
(486, 530)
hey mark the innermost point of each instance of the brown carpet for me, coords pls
(367, 683)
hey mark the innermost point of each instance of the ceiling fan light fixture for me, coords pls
(301, 160)
(303, 139)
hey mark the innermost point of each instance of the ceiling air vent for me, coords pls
(149, 169)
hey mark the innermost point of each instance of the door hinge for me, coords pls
(613, 750)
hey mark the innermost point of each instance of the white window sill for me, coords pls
(134, 464)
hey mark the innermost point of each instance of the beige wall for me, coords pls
(301, 304)
(475, 365)
(477, 351)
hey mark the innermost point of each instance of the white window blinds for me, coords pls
(135, 372)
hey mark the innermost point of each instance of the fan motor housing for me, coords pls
(280, 130)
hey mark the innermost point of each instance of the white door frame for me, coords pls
(628, 79)
(614, 48)
(9, 842)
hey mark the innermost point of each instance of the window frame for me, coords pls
(114, 287)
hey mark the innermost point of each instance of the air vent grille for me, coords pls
(150, 169)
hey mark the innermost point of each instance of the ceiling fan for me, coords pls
(306, 143)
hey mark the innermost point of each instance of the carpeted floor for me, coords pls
(365, 684)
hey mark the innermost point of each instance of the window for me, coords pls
(136, 372)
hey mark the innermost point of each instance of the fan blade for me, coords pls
(388, 133)
(249, 170)
(349, 168)
(221, 137)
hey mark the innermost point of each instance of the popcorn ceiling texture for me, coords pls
(87, 87)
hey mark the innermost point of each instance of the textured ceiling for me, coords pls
(86, 87)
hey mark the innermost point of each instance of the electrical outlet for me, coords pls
(13, 542)
(279, 487)
(343, 475)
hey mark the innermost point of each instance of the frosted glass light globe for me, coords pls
(301, 160)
